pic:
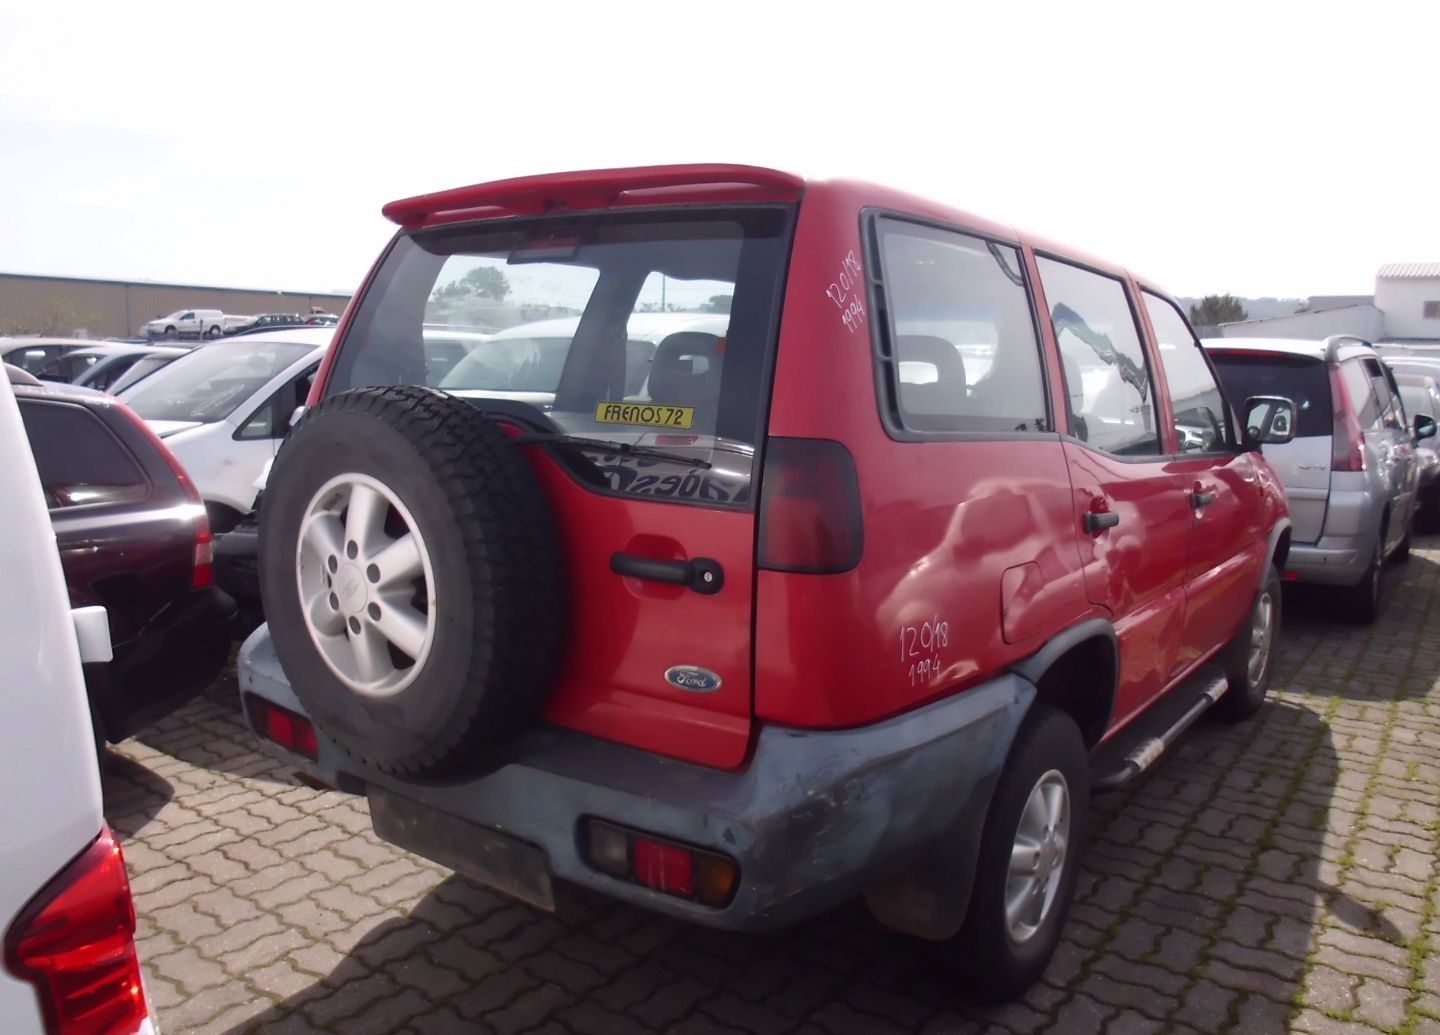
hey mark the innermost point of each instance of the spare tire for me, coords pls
(412, 578)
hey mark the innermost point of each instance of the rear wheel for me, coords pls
(170, 332)
(1029, 857)
(1364, 599)
(213, 332)
(1247, 658)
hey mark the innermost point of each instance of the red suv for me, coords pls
(772, 543)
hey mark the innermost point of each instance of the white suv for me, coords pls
(65, 909)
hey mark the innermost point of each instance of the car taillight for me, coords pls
(75, 942)
(202, 574)
(291, 731)
(1348, 442)
(661, 865)
(810, 520)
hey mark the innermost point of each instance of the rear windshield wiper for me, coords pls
(601, 445)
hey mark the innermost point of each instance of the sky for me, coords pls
(1283, 149)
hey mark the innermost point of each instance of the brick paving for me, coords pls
(1276, 876)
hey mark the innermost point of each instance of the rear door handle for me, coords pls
(1096, 521)
(1201, 499)
(702, 574)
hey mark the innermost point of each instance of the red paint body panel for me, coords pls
(624, 633)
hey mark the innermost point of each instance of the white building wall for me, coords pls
(1402, 301)
(1366, 321)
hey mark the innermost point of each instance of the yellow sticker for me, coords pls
(645, 413)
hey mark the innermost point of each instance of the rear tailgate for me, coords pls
(1303, 463)
(633, 349)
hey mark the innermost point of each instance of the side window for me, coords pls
(1107, 381)
(1391, 406)
(79, 460)
(1201, 418)
(262, 422)
(964, 355)
(33, 360)
(273, 419)
(1359, 387)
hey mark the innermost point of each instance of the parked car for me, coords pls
(223, 409)
(1350, 472)
(1421, 395)
(65, 907)
(1008, 543)
(186, 323)
(134, 538)
(32, 354)
(101, 366)
(322, 320)
(267, 322)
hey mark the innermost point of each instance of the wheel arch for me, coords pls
(1082, 656)
(1278, 550)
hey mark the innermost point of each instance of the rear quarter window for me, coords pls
(80, 462)
(1304, 381)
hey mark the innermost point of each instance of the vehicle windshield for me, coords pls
(1300, 379)
(652, 330)
(139, 371)
(209, 383)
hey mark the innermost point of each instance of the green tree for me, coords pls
(487, 282)
(718, 304)
(1217, 309)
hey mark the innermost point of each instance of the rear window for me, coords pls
(1306, 382)
(648, 336)
(79, 460)
(209, 383)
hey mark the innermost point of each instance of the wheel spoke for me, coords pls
(1024, 857)
(1017, 895)
(1054, 805)
(365, 516)
(402, 627)
(372, 661)
(399, 562)
(1033, 819)
(326, 620)
(324, 537)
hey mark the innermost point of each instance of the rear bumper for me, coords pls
(237, 562)
(1334, 561)
(813, 820)
(177, 655)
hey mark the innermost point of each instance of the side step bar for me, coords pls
(1148, 751)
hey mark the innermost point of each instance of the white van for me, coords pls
(65, 907)
(186, 323)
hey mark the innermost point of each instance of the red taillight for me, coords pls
(293, 732)
(75, 942)
(1348, 443)
(810, 519)
(675, 869)
(664, 867)
(203, 574)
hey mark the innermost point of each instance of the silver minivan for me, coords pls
(1351, 470)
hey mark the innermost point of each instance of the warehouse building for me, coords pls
(76, 307)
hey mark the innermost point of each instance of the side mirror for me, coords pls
(295, 415)
(1424, 427)
(1269, 421)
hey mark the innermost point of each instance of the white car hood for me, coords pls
(166, 428)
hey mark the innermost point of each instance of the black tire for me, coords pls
(992, 963)
(498, 574)
(1246, 694)
(1363, 600)
(213, 332)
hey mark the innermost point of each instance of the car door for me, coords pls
(1227, 551)
(1133, 514)
(1397, 445)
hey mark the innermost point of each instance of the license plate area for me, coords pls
(505, 863)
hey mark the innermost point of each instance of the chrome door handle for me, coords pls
(1201, 499)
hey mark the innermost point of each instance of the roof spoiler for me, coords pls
(596, 188)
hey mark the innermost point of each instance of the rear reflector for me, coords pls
(292, 732)
(665, 866)
(75, 942)
(810, 520)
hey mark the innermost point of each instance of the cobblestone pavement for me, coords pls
(1274, 876)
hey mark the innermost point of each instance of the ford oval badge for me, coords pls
(696, 680)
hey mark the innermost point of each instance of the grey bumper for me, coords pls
(813, 820)
(1334, 561)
